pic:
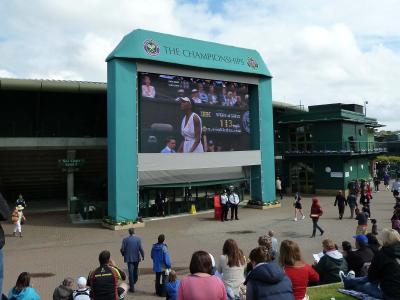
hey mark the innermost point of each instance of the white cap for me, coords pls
(184, 99)
(81, 282)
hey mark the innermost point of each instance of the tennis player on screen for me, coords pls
(191, 128)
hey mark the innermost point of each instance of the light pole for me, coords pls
(365, 108)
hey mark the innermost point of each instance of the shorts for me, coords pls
(298, 205)
(121, 293)
(361, 229)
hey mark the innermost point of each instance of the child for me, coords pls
(18, 219)
(172, 286)
(374, 229)
(362, 218)
(82, 293)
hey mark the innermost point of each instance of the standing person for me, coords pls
(201, 284)
(4, 215)
(22, 289)
(315, 214)
(330, 264)
(267, 280)
(386, 180)
(274, 243)
(191, 128)
(231, 266)
(234, 203)
(64, 290)
(341, 202)
(20, 201)
(299, 272)
(396, 186)
(18, 219)
(352, 202)
(362, 221)
(377, 182)
(374, 228)
(224, 206)
(365, 201)
(82, 292)
(103, 281)
(297, 206)
(132, 251)
(278, 184)
(160, 203)
(161, 263)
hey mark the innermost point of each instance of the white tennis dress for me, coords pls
(189, 135)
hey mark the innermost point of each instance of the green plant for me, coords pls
(111, 221)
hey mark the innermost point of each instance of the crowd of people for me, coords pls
(268, 272)
(200, 91)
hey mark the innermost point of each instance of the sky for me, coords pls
(317, 51)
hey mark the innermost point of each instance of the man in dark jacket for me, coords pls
(329, 266)
(341, 202)
(267, 280)
(161, 263)
(132, 251)
(356, 260)
(4, 215)
(352, 202)
(385, 266)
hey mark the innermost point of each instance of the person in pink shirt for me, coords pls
(200, 284)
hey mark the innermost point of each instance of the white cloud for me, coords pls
(318, 52)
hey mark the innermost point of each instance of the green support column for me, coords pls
(263, 176)
(122, 140)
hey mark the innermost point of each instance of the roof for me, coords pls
(165, 48)
(327, 116)
(47, 85)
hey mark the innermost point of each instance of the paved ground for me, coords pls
(52, 248)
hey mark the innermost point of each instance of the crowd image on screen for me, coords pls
(199, 91)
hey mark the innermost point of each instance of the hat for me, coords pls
(210, 142)
(81, 282)
(20, 207)
(194, 91)
(184, 99)
(361, 239)
(181, 91)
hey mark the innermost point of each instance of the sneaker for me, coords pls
(303, 217)
(351, 274)
(342, 276)
(295, 219)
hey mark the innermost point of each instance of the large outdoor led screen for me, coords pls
(182, 114)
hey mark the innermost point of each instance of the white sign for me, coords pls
(337, 174)
(347, 174)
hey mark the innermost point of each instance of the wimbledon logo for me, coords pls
(252, 63)
(151, 47)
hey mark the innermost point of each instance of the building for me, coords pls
(326, 147)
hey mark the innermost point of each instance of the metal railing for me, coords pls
(330, 148)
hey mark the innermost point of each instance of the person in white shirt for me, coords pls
(83, 292)
(234, 204)
(148, 90)
(195, 96)
(278, 184)
(396, 185)
(224, 206)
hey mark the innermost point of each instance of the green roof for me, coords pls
(165, 48)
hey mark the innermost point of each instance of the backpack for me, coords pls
(85, 292)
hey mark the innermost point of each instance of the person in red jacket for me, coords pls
(316, 212)
(296, 269)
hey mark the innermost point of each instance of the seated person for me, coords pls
(103, 281)
(383, 280)
(330, 264)
(363, 254)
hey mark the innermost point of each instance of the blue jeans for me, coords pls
(361, 284)
(1, 272)
(133, 274)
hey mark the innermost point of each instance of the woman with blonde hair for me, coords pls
(231, 266)
(299, 272)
